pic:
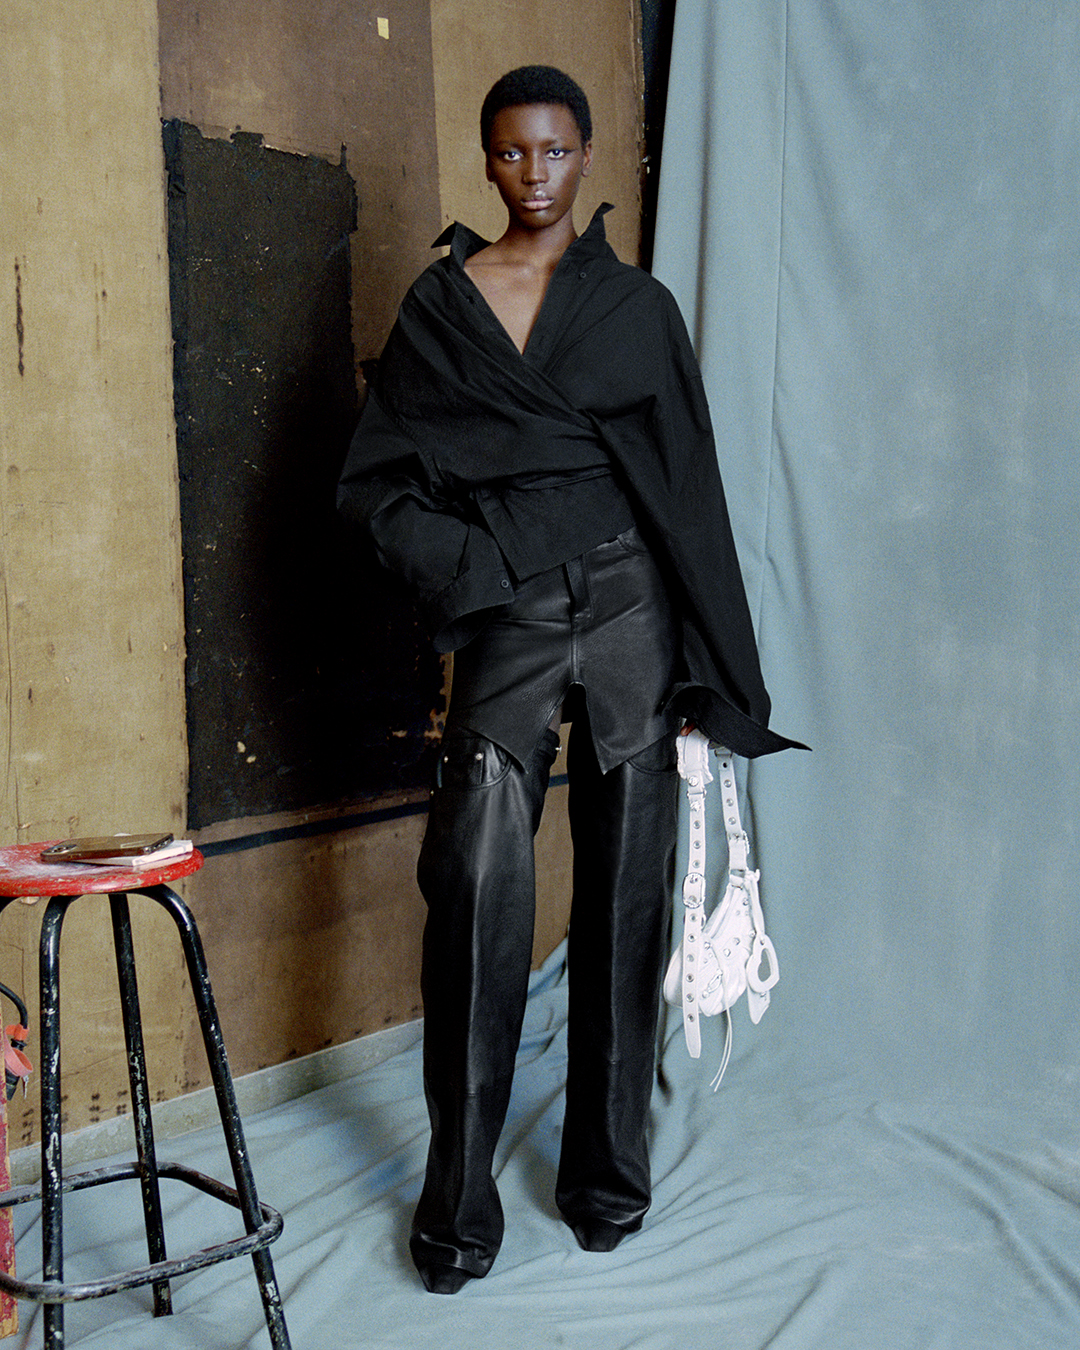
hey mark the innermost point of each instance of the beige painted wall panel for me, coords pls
(474, 42)
(91, 666)
(312, 942)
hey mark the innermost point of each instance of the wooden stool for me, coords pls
(22, 873)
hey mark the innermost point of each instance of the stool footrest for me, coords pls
(63, 1292)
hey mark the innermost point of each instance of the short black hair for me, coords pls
(535, 84)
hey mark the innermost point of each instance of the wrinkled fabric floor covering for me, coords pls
(786, 1217)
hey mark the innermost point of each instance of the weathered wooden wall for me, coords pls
(311, 940)
(91, 676)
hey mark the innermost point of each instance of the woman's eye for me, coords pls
(556, 154)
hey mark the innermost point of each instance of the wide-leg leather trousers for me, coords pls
(476, 872)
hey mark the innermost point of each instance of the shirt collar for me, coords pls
(464, 242)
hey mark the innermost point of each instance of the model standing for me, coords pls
(536, 460)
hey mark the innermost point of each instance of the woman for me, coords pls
(536, 460)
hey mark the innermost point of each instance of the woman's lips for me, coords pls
(537, 203)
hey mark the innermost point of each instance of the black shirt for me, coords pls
(608, 375)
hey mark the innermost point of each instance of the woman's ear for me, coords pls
(586, 159)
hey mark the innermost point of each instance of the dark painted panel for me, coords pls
(308, 681)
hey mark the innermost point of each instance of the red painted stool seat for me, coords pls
(23, 873)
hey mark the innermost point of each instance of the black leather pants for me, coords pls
(476, 872)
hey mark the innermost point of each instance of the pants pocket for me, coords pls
(471, 761)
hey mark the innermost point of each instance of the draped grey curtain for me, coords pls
(870, 214)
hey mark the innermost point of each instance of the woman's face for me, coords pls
(537, 161)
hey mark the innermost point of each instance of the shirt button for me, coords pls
(504, 584)
(582, 276)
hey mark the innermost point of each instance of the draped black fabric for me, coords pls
(608, 378)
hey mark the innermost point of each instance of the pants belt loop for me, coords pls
(577, 579)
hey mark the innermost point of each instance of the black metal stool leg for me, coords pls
(140, 1095)
(262, 1225)
(52, 1164)
(226, 1100)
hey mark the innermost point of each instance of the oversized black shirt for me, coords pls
(458, 417)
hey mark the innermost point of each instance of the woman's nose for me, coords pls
(535, 169)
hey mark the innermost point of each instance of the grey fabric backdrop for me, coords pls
(870, 214)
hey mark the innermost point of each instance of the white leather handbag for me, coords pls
(728, 953)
